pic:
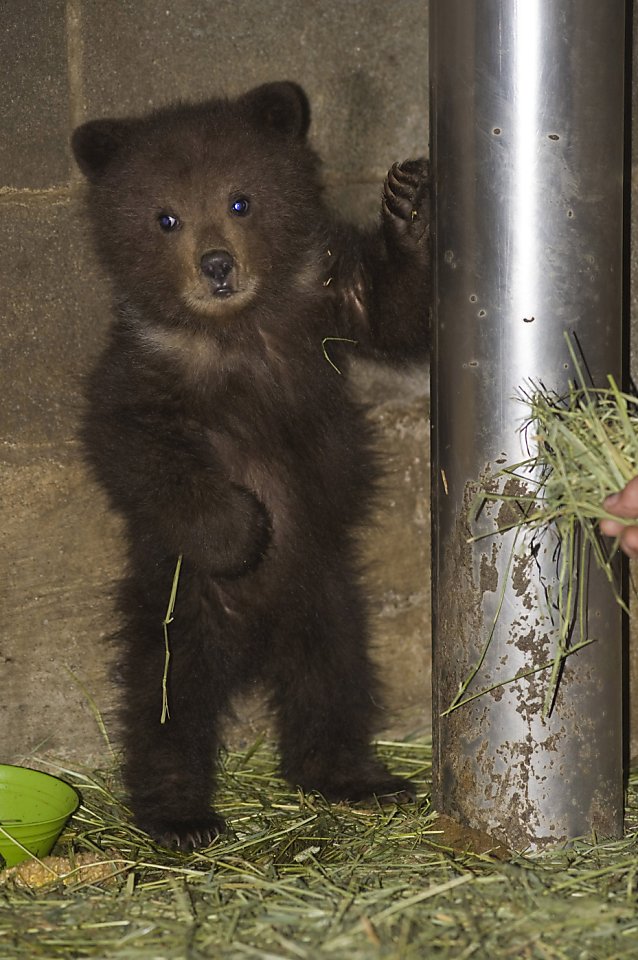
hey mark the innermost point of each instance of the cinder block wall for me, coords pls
(364, 65)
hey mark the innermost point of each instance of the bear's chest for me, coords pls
(282, 445)
(279, 420)
(299, 452)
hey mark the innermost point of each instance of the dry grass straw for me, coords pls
(302, 879)
(583, 446)
(166, 622)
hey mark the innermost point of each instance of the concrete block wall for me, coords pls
(364, 65)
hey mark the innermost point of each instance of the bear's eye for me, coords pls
(167, 222)
(239, 206)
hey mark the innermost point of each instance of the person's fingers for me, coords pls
(611, 528)
(629, 541)
(624, 503)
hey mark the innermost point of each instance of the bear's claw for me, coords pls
(185, 835)
(405, 200)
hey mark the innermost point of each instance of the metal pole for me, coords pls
(527, 164)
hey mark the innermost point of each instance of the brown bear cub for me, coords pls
(220, 423)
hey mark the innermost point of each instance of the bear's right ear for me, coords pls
(96, 143)
(282, 107)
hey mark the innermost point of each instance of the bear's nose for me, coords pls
(216, 265)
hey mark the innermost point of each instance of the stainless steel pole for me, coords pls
(527, 141)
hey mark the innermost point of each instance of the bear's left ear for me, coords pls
(282, 107)
(96, 143)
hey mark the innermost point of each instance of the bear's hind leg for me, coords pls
(327, 696)
(169, 767)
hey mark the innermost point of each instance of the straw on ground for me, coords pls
(302, 879)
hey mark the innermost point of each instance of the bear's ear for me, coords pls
(282, 107)
(96, 143)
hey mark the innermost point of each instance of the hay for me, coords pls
(334, 340)
(166, 622)
(302, 879)
(583, 447)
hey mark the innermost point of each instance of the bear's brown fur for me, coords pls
(222, 434)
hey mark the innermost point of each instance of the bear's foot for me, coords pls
(384, 790)
(184, 835)
(405, 204)
(351, 781)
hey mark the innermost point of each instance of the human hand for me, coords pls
(623, 504)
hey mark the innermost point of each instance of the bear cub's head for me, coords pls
(202, 210)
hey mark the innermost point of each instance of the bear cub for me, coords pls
(220, 423)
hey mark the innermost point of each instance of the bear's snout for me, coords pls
(217, 266)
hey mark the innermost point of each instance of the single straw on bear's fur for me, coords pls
(166, 715)
(585, 447)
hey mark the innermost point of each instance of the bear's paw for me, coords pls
(185, 835)
(405, 205)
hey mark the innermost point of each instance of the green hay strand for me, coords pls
(334, 340)
(168, 619)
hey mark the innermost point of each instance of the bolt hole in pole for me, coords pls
(523, 130)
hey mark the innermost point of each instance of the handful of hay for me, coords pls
(584, 447)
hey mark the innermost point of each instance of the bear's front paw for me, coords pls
(185, 835)
(406, 205)
(228, 539)
(246, 538)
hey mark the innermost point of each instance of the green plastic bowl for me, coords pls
(34, 808)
